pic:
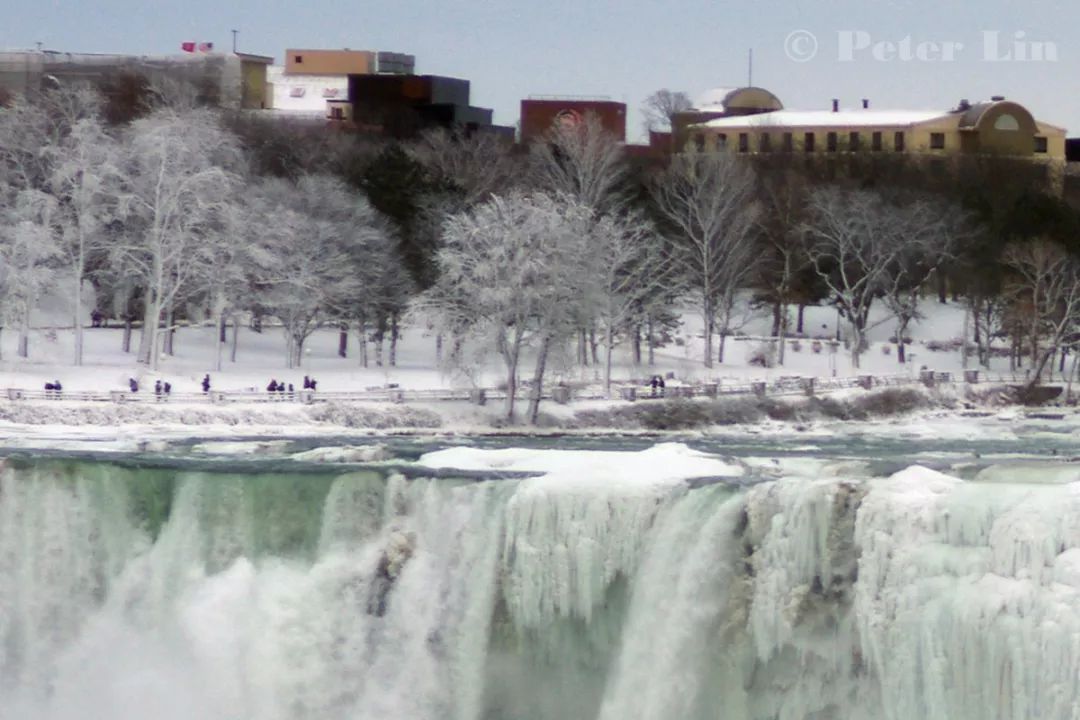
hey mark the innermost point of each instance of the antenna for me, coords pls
(750, 70)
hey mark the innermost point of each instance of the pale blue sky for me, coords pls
(511, 49)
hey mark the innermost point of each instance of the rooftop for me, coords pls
(828, 118)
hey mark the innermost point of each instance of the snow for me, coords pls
(660, 466)
(825, 118)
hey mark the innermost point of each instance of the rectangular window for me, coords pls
(699, 141)
(744, 142)
(789, 142)
(854, 142)
(299, 59)
(830, 141)
(875, 142)
(765, 143)
(808, 142)
(721, 141)
(1040, 144)
(898, 141)
(937, 141)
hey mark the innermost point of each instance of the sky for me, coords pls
(911, 54)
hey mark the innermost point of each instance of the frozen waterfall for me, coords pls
(591, 592)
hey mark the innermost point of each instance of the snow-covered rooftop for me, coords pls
(827, 118)
(714, 99)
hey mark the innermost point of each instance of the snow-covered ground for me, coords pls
(261, 357)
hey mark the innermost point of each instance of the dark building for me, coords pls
(538, 115)
(403, 105)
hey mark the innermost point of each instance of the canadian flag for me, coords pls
(206, 47)
(187, 46)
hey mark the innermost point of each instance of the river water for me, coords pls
(833, 577)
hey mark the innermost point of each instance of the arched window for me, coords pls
(1006, 122)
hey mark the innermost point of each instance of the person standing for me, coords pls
(206, 383)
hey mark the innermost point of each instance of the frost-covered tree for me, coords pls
(85, 179)
(512, 279)
(630, 269)
(28, 254)
(709, 210)
(581, 160)
(178, 185)
(310, 245)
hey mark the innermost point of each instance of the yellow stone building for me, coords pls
(995, 127)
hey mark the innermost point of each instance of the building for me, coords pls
(232, 80)
(996, 127)
(721, 103)
(539, 114)
(315, 83)
(403, 105)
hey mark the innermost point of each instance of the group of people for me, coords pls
(281, 388)
(657, 383)
(52, 389)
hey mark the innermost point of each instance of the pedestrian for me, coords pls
(57, 387)
(157, 390)
(307, 383)
(660, 384)
(291, 391)
(654, 383)
(206, 383)
(133, 385)
(312, 384)
(272, 387)
(48, 390)
(168, 389)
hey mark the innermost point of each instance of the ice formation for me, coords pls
(607, 589)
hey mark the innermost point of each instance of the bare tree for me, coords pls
(472, 167)
(178, 186)
(629, 267)
(852, 243)
(926, 233)
(709, 209)
(1046, 287)
(660, 107)
(583, 161)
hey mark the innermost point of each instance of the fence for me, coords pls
(784, 385)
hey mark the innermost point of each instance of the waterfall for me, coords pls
(818, 593)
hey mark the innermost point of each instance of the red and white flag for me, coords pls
(206, 47)
(187, 46)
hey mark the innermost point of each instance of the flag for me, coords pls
(206, 47)
(187, 46)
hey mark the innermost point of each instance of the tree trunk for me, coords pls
(24, 334)
(343, 340)
(361, 341)
(220, 344)
(942, 288)
(125, 343)
(78, 325)
(707, 308)
(802, 312)
(593, 346)
(170, 332)
(438, 348)
(720, 349)
(395, 333)
(148, 340)
(609, 347)
(538, 381)
(901, 329)
(235, 338)
(775, 319)
(652, 344)
(636, 343)
(379, 349)
(511, 383)
(781, 354)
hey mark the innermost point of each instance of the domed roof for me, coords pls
(725, 99)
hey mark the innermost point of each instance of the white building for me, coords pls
(304, 95)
